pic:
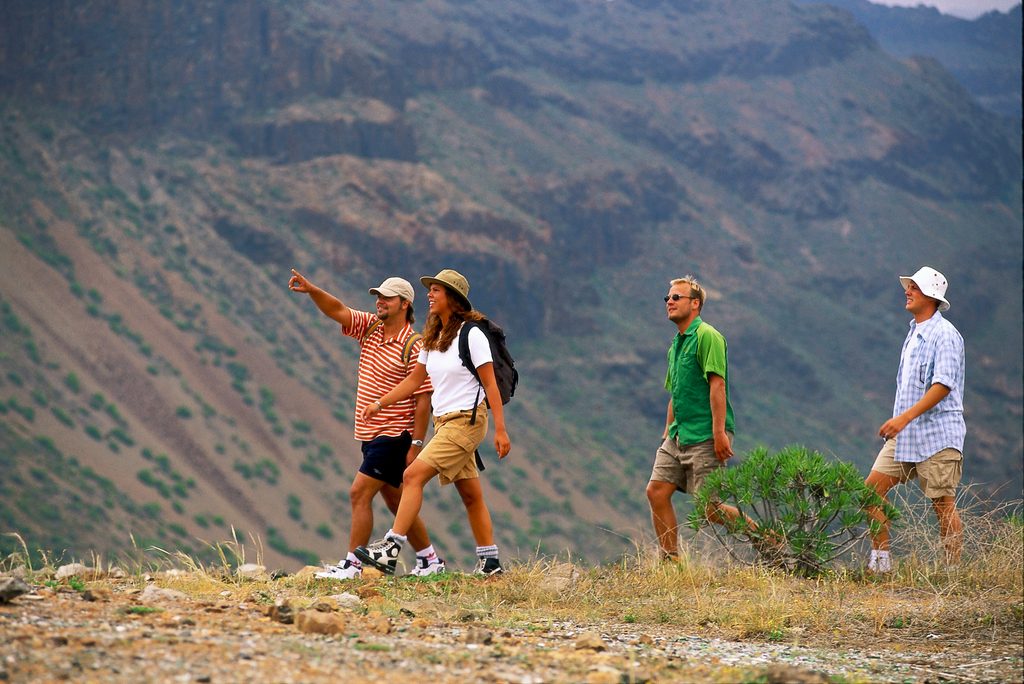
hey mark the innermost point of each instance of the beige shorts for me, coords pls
(684, 465)
(938, 476)
(451, 450)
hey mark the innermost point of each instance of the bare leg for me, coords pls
(663, 515)
(950, 527)
(361, 494)
(416, 476)
(479, 516)
(418, 536)
(881, 483)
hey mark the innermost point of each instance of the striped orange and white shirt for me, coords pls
(381, 367)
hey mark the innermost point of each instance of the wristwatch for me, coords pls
(417, 442)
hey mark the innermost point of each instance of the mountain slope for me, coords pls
(568, 159)
(983, 54)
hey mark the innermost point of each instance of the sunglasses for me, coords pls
(677, 297)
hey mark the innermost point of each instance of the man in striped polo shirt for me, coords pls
(928, 416)
(393, 437)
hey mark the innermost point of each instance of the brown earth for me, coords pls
(121, 630)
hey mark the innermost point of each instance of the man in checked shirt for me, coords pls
(927, 416)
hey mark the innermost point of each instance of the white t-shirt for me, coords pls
(455, 388)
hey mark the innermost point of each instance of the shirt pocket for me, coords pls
(923, 375)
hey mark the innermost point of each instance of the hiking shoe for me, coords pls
(381, 554)
(345, 570)
(487, 567)
(425, 569)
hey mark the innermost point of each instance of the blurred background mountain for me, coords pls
(164, 166)
(984, 54)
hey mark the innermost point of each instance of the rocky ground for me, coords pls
(141, 629)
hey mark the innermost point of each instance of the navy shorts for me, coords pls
(384, 458)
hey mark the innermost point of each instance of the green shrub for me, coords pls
(183, 412)
(62, 415)
(800, 512)
(72, 383)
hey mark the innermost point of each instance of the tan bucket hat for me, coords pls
(395, 287)
(454, 281)
(931, 283)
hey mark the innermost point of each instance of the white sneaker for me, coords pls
(345, 571)
(425, 569)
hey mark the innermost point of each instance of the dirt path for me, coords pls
(121, 633)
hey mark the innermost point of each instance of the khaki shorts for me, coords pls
(938, 476)
(685, 465)
(451, 450)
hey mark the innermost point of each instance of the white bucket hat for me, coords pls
(931, 283)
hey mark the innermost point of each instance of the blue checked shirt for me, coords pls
(932, 353)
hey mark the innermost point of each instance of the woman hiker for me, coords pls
(451, 452)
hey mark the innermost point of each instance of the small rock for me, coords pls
(316, 622)
(12, 587)
(282, 611)
(155, 593)
(18, 571)
(559, 577)
(591, 641)
(115, 572)
(605, 674)
(307, 572)
(367, 590)
(174, 573)
(479, 635)
(378, 623)
(472, 614)
(347, 601)
(325, 605)
(788, 674)
(74, 570)
(97, 594)
(252, 571)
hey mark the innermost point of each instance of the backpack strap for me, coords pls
(373, 326)
(407, 348)
(467, 361)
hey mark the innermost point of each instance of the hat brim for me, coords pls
(943, 304)
(387, 293)
(431, 280)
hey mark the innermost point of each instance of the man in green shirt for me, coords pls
(699, 425)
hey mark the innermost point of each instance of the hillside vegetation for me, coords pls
(164, 168)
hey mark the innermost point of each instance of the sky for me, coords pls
(968, 9)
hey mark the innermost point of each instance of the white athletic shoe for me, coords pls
(346, 570)
(425, 569)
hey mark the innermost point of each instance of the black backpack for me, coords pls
(505, 373)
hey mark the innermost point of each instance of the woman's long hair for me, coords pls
(437, 337)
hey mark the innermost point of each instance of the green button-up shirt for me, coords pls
(693, 355)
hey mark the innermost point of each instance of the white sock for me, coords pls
(428, 553)
(880, 561)
(487, 551)
(352, 560)
(400, 538)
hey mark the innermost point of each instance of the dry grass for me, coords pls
(980, 598)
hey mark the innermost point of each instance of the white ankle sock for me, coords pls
(351, 558)
(400, 538)
(427, 553)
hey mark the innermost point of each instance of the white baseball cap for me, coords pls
(394, 287)
(930, 282)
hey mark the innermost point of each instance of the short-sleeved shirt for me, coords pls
(455, 388)
(694, 355)
(381, 367)
(933, 352)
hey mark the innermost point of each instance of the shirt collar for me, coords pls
(923, 328)
(692, 328)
